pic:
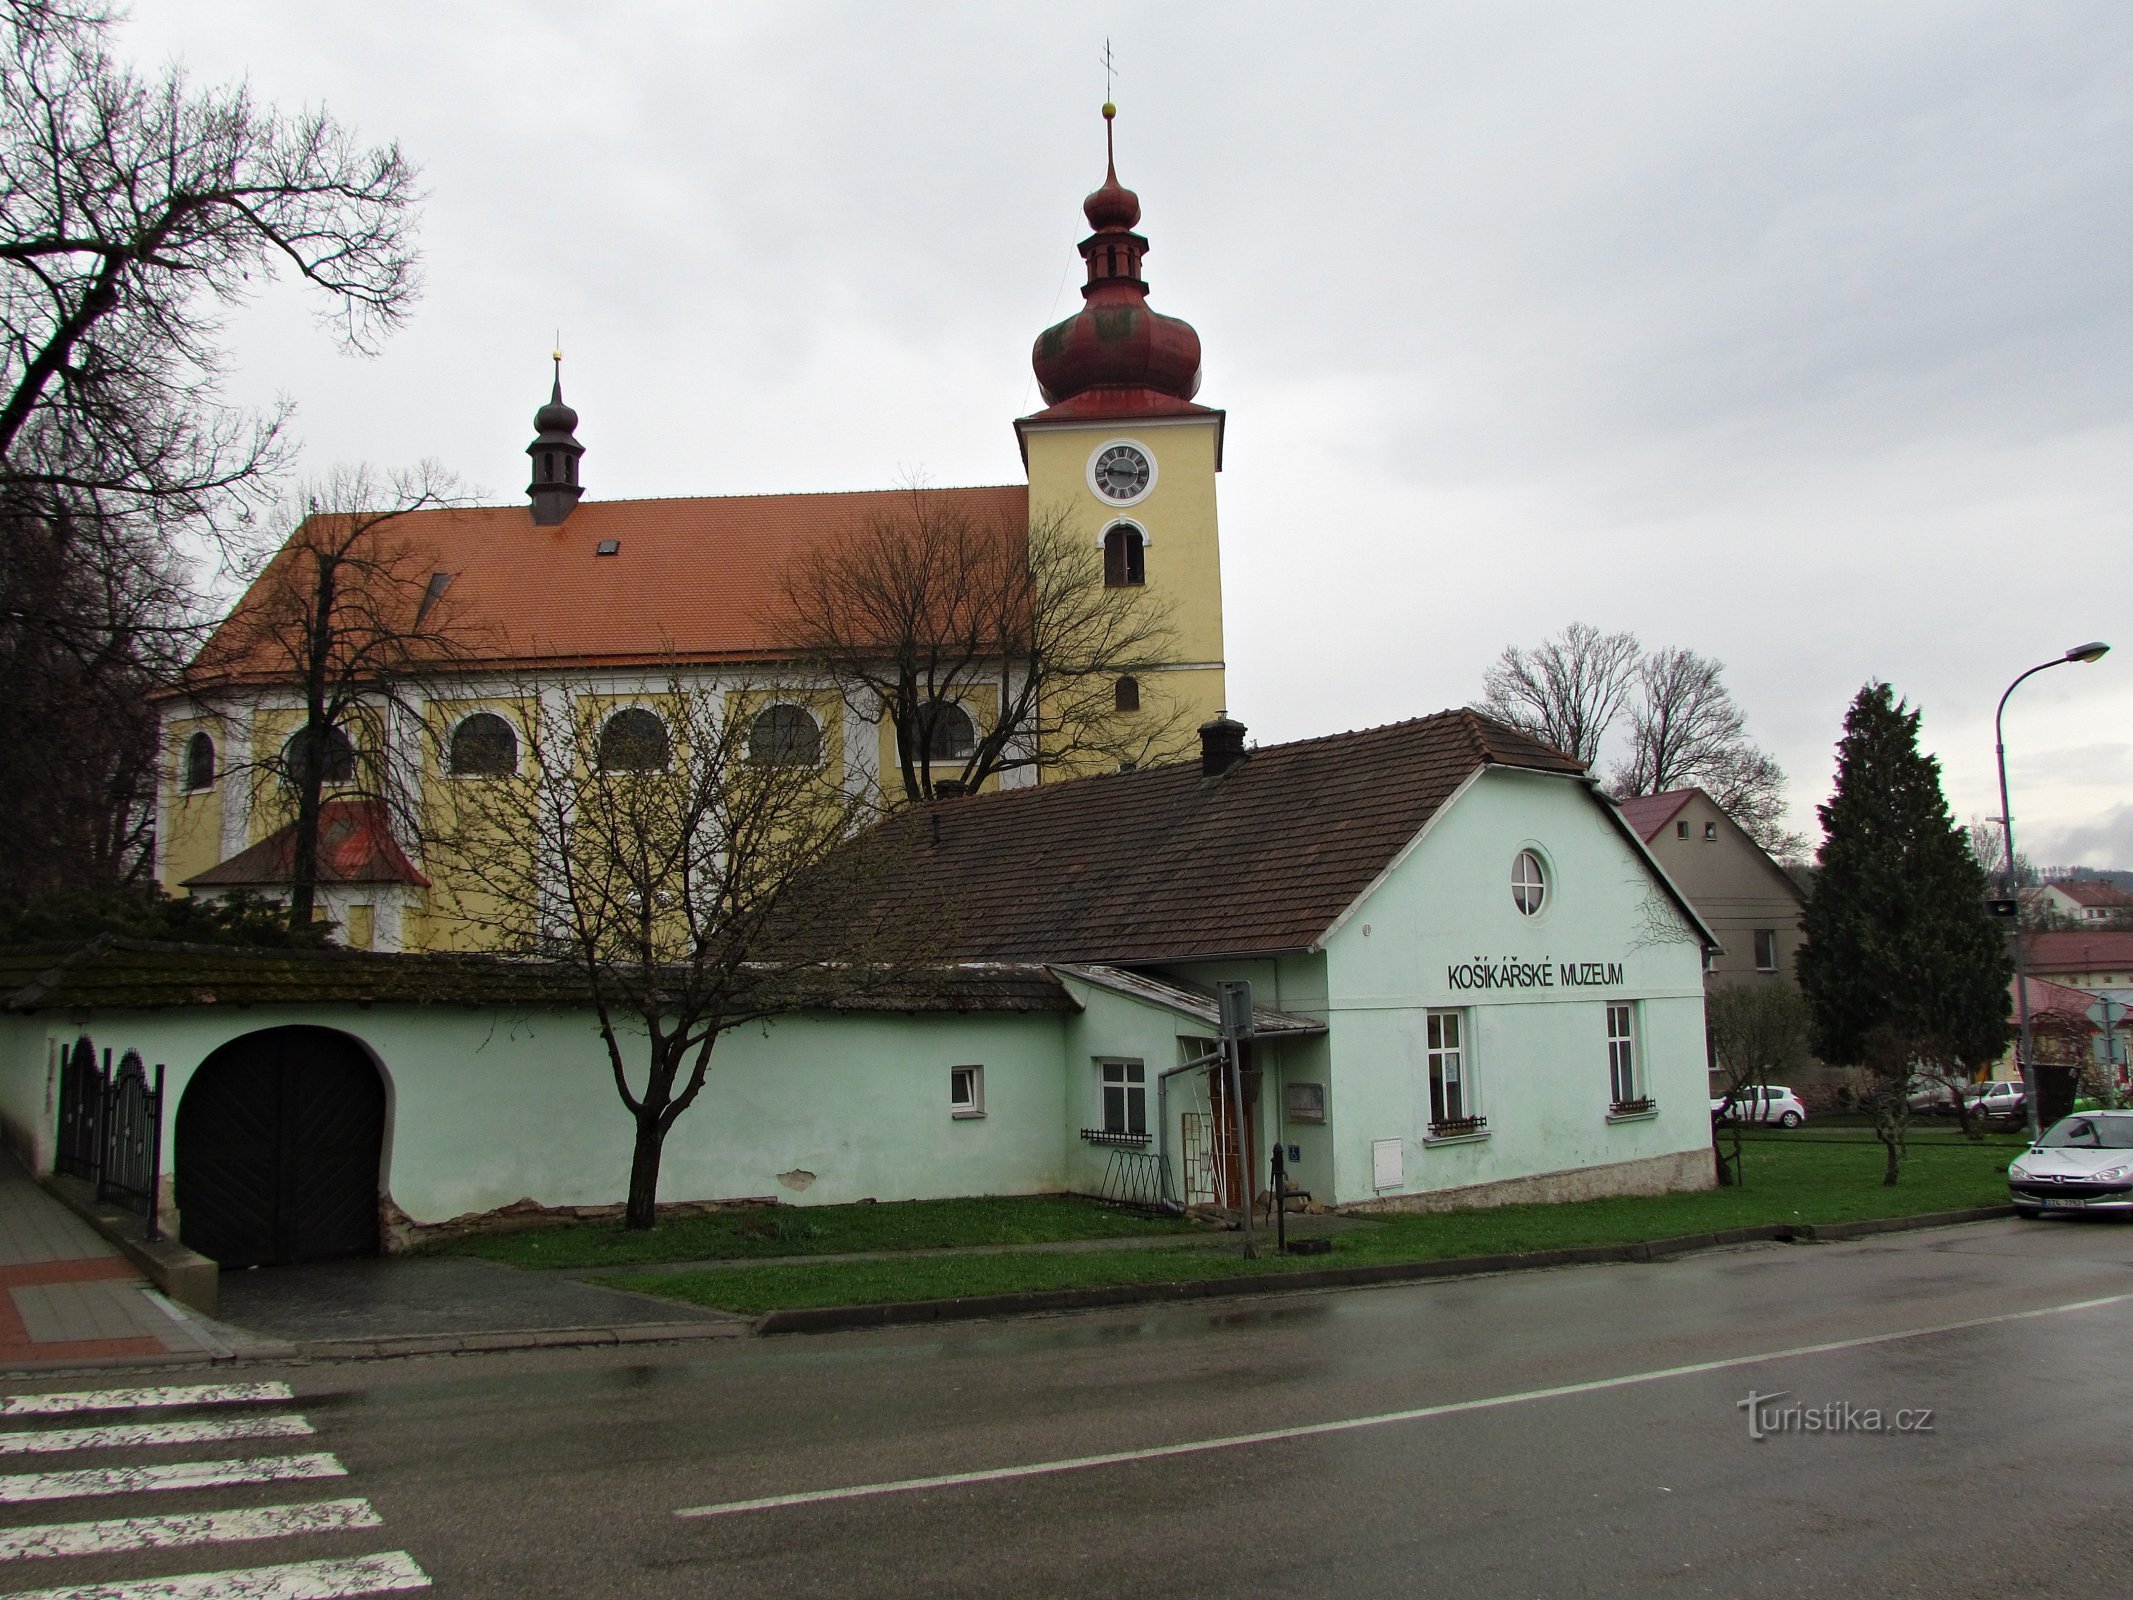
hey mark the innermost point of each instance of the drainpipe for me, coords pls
(1162, 1120)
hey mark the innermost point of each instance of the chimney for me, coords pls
(1221, 744)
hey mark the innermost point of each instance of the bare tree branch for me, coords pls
(1565, 692)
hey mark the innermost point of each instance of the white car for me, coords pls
(1998, 1099)
(2082, 1163)
(1762, 1103)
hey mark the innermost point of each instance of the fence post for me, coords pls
(155, 1161)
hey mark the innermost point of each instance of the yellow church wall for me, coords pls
(1183, 551)
(192, 819)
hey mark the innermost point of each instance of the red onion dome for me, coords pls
(1115, 341)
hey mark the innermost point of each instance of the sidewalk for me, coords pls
(70, 1298)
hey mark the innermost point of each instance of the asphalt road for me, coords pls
(1580, 1433)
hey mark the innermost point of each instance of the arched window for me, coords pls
(1126, 694)
(634, 741)
(199, 762)
(483, 746)
(1125, 558)
(785, 736)
(1529, 883)
(953, 736)
(331, 754)
(547, 466)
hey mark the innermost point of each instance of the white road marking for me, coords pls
(129, 1435)
(26, 1486)
(1308, 1430)
(393, 1572)
(202, 1394)
(202, 1527)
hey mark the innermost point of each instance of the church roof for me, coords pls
(694, 578)
(1168, 864)
(355, 845)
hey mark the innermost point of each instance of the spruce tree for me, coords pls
(1903, 966)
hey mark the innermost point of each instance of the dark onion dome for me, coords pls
(555, 417)
(1114, 341)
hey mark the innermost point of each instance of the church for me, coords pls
(616, 598)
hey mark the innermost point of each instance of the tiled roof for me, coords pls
(2078, 950)
(126, 974)
(1165, 864)
(1648, 813)
(2045, 995)
(355, 845)
(2096, 892)
(691, 579)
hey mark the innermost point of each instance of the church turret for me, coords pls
(555, 451)
(1115, 342)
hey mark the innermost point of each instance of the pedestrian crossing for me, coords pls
(185, 1417)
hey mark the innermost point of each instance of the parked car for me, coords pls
(2082, 1163)
(1935, 1096)
(1998, 1099)
(1762, 1103)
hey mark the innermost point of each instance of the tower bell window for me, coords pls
(1125, 557)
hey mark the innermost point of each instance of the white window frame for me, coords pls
(1624, 1066)
(1448, 1065)
(1126, 1076)
(1530, 893)
(966, 1092)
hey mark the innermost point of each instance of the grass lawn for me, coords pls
(1789, 1180)
(818, 1231)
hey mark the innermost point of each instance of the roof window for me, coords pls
(608, 547)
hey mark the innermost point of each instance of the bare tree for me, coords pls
(656, 848)
(129, 210)
(1756, 1031)
(927, 615)
(1685, 730)
(1567, 691)
(351, 616)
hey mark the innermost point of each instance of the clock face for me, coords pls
(1121, 472)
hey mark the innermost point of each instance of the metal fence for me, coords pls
(111, 1127)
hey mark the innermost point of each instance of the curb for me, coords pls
(457, 1344)
(185, 1275)
(833, 1319)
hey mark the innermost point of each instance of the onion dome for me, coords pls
(555, 450)
(1115, 341)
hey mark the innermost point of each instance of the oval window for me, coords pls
(1529, 883)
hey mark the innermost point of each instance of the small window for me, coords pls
(1125, 557)
(199, 762)
(1451, 1102)
(1681, 828)
(1622, 1053)
(608, 547)
(634, 741)
(329, 753)
(483, 746)
(966, 1091)
(785, 736)
(1766, 950)
(1529, 883)
(1126, 694)
(1710, 833)
(952, 736)
(1125, 1091)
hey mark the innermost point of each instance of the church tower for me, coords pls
(1122, 455)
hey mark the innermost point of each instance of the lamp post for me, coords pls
(2095, 650)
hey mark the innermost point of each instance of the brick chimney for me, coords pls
(1221, 744)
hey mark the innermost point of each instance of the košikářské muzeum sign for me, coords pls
(1513, 973)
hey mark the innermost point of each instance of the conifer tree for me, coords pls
(1902, 965)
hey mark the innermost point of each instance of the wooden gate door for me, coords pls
(1226, 1126)
(279, 1138)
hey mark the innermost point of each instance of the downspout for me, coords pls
(1162, 1121)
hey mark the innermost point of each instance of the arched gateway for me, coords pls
(279, 1140)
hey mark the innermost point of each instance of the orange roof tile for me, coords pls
(693, 579)
(355, 845)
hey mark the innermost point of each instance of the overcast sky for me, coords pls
(1799, 335)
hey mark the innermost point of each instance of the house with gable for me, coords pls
(1473, 984)
(1750, 902)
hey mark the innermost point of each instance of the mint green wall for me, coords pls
(29, 1086)
(488, 1107)
(1538, 1056)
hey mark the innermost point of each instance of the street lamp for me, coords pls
(2094, 650)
